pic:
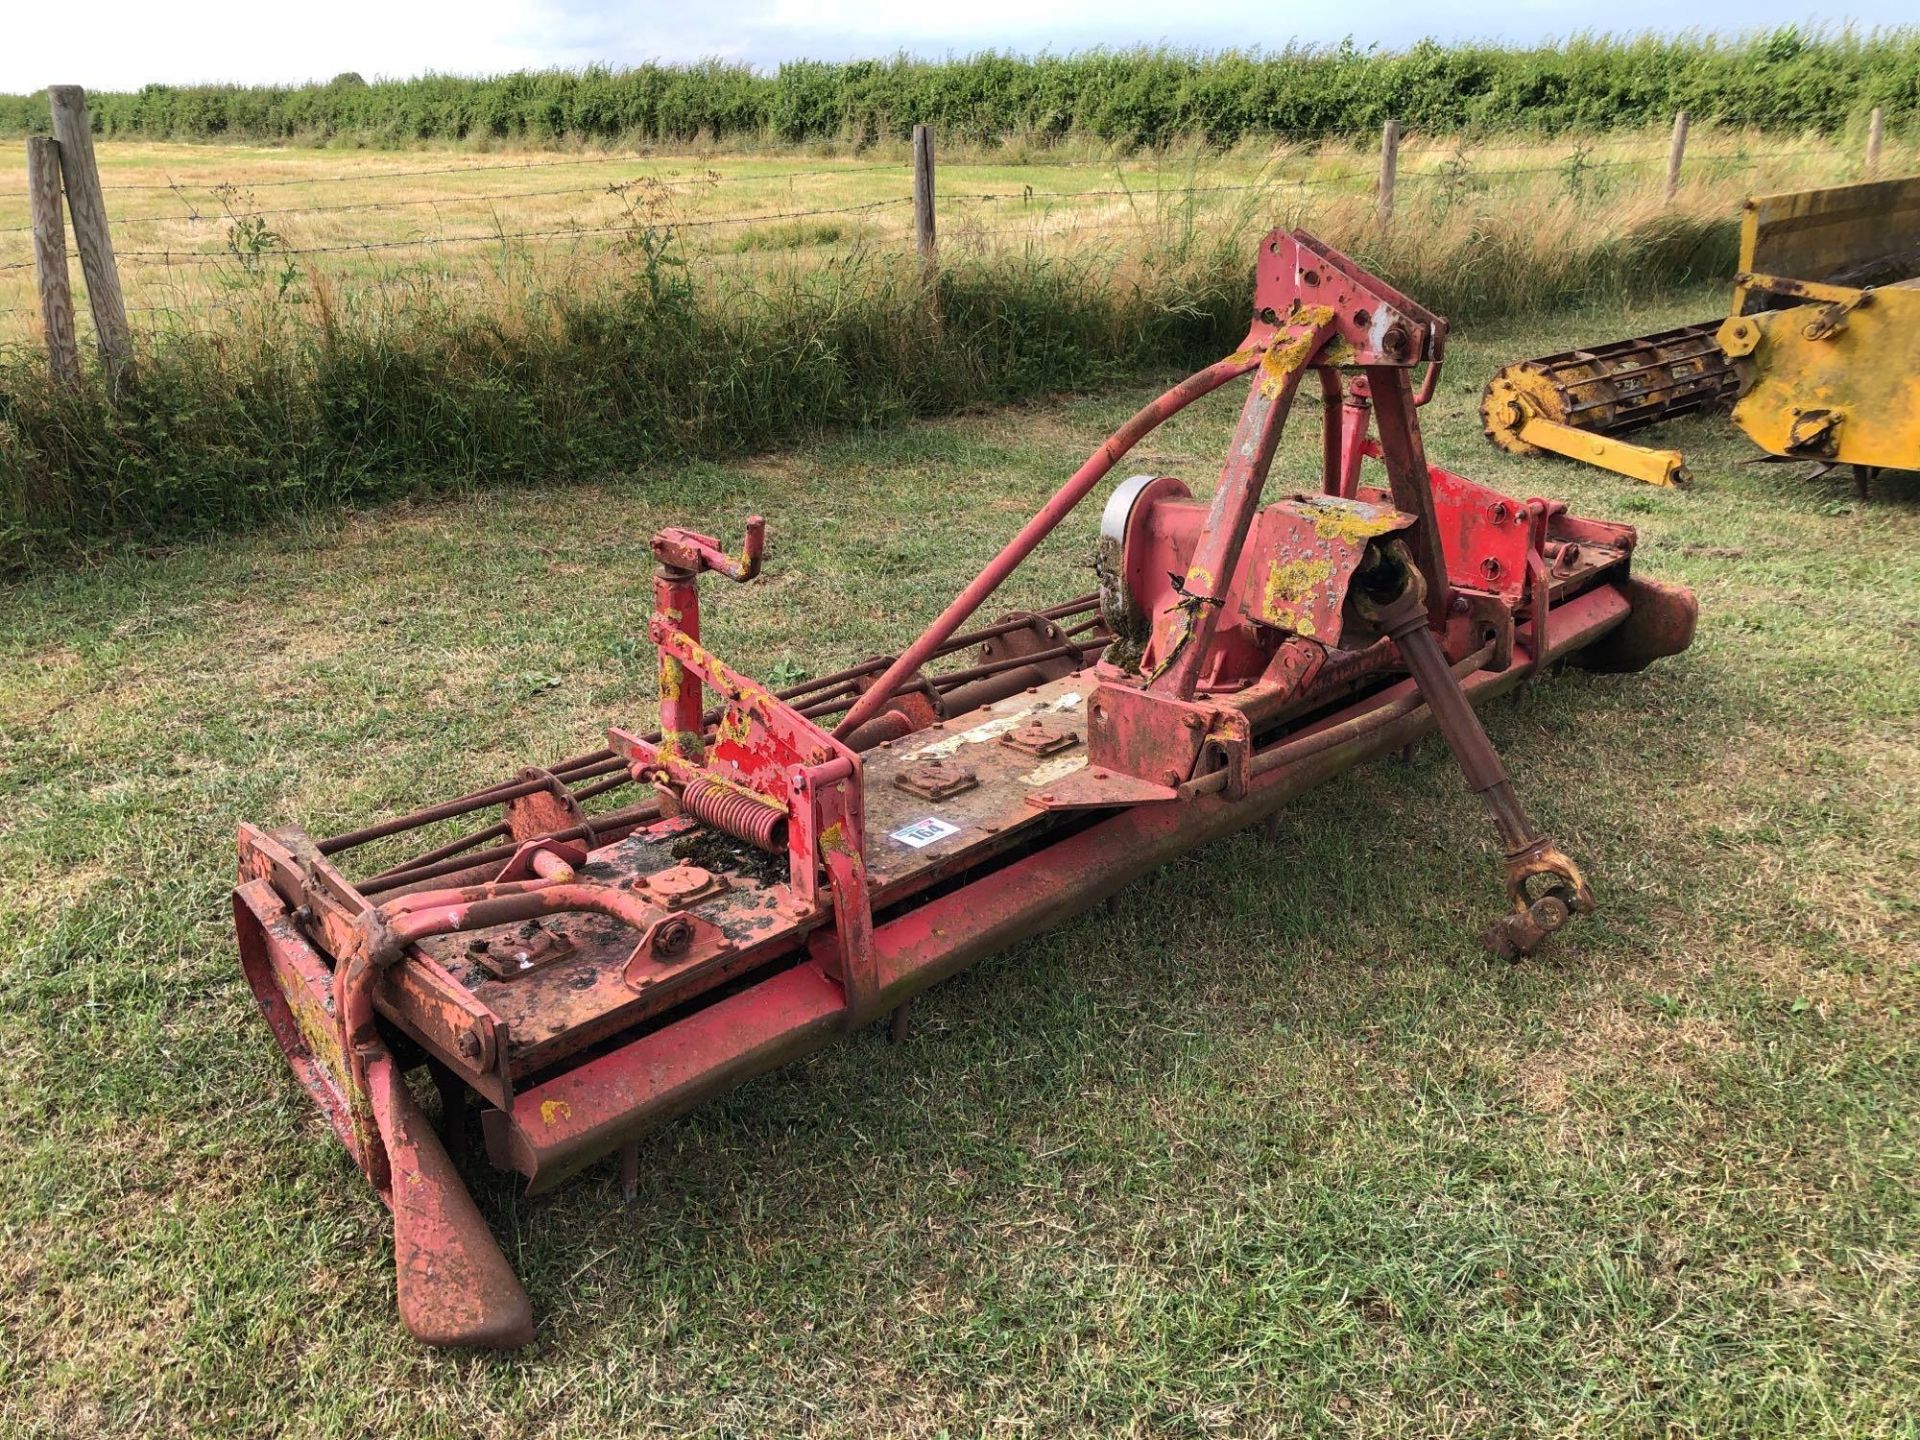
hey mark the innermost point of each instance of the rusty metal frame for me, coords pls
(1426, 595)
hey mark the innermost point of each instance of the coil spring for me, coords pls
(736, 812)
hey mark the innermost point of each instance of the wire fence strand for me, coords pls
(351, 178)
(1458, 171)
(212, 257)
(229, 216)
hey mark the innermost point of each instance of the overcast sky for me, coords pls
(122, 44)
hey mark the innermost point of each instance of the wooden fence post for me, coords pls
(50, 257)
(1676, 153)
(90, 234)
(1876, 131)
(1389, 164)
(923, 231)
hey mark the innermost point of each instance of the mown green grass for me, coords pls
(1271, 1149)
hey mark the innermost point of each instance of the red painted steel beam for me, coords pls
(1069, 495)
(572, 1120)
(564, 1125)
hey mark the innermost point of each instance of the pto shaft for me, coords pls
(1530, 856)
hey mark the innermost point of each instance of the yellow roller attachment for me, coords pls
(1513, 396)
(1573, 403)
(1623, 457)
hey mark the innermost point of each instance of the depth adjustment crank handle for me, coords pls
(689, 552)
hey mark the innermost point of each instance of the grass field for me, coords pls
(338, 328)
(206, 231)
(1272, 1149)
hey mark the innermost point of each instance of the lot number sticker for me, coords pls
(923, 833)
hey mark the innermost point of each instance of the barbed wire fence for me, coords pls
(243, 230)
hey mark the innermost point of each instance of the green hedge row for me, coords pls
(1783, 80)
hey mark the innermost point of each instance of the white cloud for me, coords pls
(989, 22)
(128, 43)
(135, 42)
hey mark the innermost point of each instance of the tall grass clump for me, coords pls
(1783, 80)
(353, 398)
(1478, 262)
(312, 396)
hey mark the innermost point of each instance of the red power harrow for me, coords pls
(772, 883)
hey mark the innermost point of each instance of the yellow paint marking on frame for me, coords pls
(672, 678)
(735, 726)
(1284, 361)
(1350, 521)
(1295, 581)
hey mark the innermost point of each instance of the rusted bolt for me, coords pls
(469, 1045)
(1397, 343)
(1192, 722)
(1170, 775)
(1459, 605)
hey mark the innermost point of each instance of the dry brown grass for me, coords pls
(187, 255)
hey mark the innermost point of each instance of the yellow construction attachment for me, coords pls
(1822, 348)
(1825, 331)
(1846, 391)
(1846, 235)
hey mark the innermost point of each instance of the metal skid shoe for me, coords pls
(635, 929)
